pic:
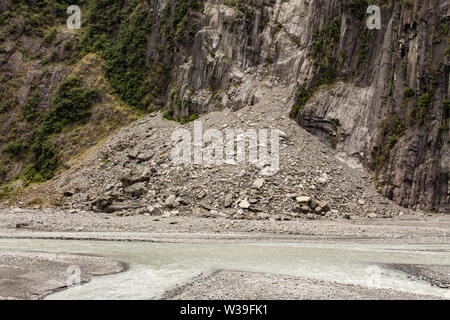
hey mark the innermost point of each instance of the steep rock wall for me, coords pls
(375, 95)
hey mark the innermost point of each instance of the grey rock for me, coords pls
(244, 204)
(263, 216)
(142, 211)
(171, 201)
(136, 175)
(105, 199)
(313, 204)
(258, 183)
(228, 201)
(136, 190)
(145, 156)
(303, 199)
(208, 203)
(305, 209)
(154, 211)
(325, 207)
(123, 206)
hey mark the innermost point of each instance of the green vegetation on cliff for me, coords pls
(71, 106)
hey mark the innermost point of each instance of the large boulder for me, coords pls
(137, 190)
(136, 175)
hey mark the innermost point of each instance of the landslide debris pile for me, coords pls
(132, 173)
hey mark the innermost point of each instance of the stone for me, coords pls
(123, 206)
(303, 199)
(300, 193)
(22, 225)
(137, 175)
(312, 204)
(258, 183)
(305, 209)
(201, 194)
(154, 210)
(133, 154)
(105, 200)
(171, 201)
(372, 215)
(361, 202)
(244, 204)
(228, 201)
(136, 190)
(239, 215)
(208, 203)
(145, 156)
(263, 216)
(200, 212)
(218, 214)
(181, 201)
(142, 211)
(325, 207)
(321, 180)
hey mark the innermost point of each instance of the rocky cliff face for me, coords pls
(380, 97)
(389, 106)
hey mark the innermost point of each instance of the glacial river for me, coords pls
(155, 268)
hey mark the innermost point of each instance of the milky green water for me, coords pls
(157, 267)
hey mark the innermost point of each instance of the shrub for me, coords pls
(446, 105)
(45, 162)
(50, 36)
(68, 45)
(29, 109)
(420, 111)
(408, 93)
(126, 66)
(71, 105)
(14, 148)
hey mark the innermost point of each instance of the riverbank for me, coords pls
(34, 275)
(233, 285)
(57, 224)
